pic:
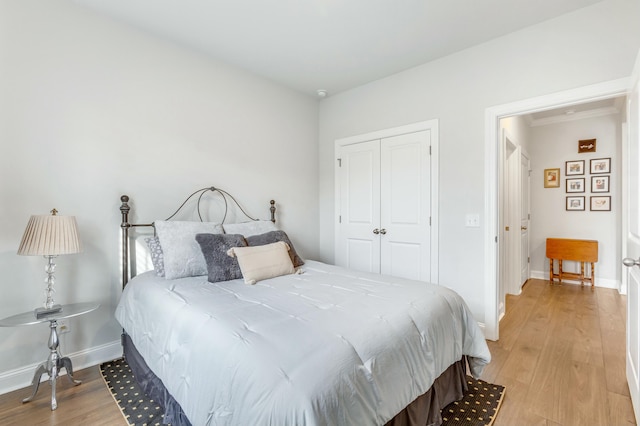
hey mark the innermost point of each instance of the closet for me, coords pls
(384, 204)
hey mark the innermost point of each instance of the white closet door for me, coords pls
(405, 206)
(359, 174)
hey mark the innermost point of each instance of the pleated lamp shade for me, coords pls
(50, 235)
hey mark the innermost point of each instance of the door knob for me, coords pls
(627, 261)
(523, 228)
(383, 231)
(376, 231)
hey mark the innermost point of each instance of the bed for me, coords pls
(322, 346)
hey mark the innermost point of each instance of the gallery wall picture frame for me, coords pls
(575, 203)
(586, 145)
(599, 183)
(600, 203)
(600, 166)
(574, 185)
(552, 178)
(573, 168)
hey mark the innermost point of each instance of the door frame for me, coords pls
(525, 181)
(493, 115)
(431, 125)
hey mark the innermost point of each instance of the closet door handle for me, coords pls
(383, 231)
(376, 231)
(628, 262)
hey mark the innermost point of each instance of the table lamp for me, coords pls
(50, 236)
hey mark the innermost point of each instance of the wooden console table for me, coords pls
(582, 251)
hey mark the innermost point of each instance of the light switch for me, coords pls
(472, 220)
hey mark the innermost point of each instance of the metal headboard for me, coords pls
(125, 226)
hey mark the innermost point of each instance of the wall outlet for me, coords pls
(472, 220)
(63, 326)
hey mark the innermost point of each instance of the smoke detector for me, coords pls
(321, 93)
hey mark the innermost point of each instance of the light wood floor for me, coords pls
(89, 403)
(560, 355)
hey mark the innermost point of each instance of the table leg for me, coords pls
(66, 363)
(52, 367)
(35, 383)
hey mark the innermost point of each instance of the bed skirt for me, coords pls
(425, 410)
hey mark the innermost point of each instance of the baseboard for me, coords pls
(600, 282)
(21, 377)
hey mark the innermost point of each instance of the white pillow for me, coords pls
(247, 229)
(182, 254)
(263, 262)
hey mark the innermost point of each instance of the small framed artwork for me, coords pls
(573, 168)
(599, 183)
(600, 166)
(575, 203)
(586, 145)
(552, 178)
(601, 204)
(575, 185)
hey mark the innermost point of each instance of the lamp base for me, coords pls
(43, 312)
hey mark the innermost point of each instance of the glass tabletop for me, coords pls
(68, 311)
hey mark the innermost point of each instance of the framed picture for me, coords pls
(599, 183)
(573, 168)
(575, 185)
(601, 204)
(552, 178)
(575, 203)
(600, 166)
(586, 145)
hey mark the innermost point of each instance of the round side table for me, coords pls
(54, 362)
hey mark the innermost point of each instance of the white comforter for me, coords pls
(328, 347)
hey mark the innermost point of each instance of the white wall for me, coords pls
(90, 110)
(592, 45)
(551, 146)
(519, 130)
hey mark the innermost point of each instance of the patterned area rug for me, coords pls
(136, 407)
(478, 407)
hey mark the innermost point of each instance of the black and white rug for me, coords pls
(136, 407)
(478, 407)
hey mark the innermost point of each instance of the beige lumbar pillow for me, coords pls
(263, 262)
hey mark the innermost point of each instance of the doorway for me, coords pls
(513, 212)
(492, 179)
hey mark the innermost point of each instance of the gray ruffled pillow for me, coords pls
(274, 237)
(182, 255)
(157, 257)
(220, 266)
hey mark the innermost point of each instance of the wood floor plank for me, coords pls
(561, 356)
(89, 403)
(620, 409)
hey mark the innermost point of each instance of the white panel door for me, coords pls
(359, 175)
(524, 219)
(405, 206)
(632, 239)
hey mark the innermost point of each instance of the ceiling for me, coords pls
(333, 45)
(577, 111)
